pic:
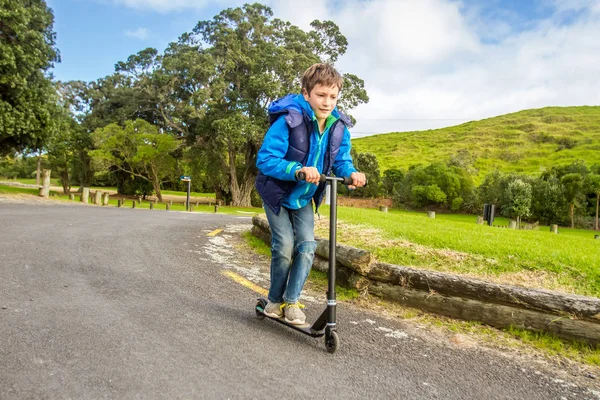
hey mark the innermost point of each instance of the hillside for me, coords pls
(527, 141)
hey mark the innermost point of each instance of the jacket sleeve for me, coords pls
(343, 165)
(270, 160)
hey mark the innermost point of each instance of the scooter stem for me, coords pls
(331, 303)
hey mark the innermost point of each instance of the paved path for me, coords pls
(128, 303)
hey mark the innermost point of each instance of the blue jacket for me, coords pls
(293, 141)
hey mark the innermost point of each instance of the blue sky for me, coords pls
(426, 63)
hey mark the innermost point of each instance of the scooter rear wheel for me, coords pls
(332, 341)
(262, 304)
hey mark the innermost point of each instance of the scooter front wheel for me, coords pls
(332, 341)
(260, 304)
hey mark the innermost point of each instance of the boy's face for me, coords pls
(322, 99)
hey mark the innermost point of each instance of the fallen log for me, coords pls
(453, 285)
(496, 315)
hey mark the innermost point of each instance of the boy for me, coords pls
(307, 134)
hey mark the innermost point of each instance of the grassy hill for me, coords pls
(526, 142)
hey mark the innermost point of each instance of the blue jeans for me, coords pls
(292, 251)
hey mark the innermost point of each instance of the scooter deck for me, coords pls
(304, 328)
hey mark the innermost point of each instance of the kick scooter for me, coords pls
(325, 324)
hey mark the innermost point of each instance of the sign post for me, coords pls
(187, 179)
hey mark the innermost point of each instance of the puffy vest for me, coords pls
(301, 127)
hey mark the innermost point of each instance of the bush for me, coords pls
(456, 204)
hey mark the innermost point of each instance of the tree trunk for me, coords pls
(571, 212)
(156, 185)
(597, 204)
(39, 168)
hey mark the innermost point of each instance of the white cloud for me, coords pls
(426, 64)
(139, 33)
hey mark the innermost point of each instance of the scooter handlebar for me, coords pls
(346, 180)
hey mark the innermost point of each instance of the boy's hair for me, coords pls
(321, 74)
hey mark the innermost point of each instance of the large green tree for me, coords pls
(27, 51)
(573, 191)
(519, 196)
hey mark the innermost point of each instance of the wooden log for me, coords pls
(453, 285)
(262, 223)
(431, 214)
(499, 316)
(358, 260)
(261, 234)
(344, 276)
(97, 197)
(554, 228)
(105, 198)
(85, 195)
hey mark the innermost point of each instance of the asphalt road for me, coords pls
(125, 304)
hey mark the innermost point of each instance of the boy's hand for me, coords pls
(312, 174)
(358, 180)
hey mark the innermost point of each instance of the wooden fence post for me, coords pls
(97, 197)
(105, 197)
(85, 195)
(431, 214)
(554, 228)
(45, 192)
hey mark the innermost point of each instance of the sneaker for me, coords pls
(293, 314)
(274, 310)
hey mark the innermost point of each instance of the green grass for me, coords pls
(555, 346)
(53, 182)
(524, 142)
(568, 261)
(5, 189)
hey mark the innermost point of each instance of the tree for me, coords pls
(368, 164)
(137, 149)
(593, 186)
(572, 191)
(27, 51)
(519, 197)
(392, 178)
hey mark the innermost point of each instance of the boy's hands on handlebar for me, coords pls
(311, 174)
(358, 180)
